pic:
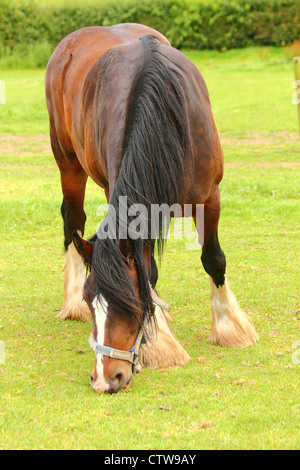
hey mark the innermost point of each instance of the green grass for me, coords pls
(230, 398)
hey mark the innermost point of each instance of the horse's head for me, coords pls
(120, 298)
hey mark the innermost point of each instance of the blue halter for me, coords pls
(132, 355)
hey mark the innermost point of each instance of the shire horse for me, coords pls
(133, 113)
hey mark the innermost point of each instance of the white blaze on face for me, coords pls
(100, 309)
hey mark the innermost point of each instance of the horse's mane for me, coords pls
(152, 171)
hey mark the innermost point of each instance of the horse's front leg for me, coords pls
(231, 326)
(73, 182)
(73, 187)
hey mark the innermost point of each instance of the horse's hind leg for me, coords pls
(73, 182)
(231, 326)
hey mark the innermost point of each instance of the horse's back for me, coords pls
(87, 44)
(88, 83)
(66, 74)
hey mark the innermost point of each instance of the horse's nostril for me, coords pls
(118, 382)
(120, 377)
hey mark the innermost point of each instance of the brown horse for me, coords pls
(134, 114)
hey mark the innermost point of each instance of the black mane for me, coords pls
(152, 171)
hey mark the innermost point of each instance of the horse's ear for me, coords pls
(84, 248)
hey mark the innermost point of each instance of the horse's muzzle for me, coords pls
(99, 386)
(116, 384)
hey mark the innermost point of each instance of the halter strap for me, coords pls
(131, 356)
(157, 300)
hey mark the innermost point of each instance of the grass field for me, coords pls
(224, 398)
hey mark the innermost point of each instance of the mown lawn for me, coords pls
(224, 398)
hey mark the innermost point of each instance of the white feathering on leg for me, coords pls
(75, 308)
(231, 326)
(162, 349)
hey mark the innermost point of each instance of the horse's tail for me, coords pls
(157, 142)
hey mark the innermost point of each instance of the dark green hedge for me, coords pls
(220, 24)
